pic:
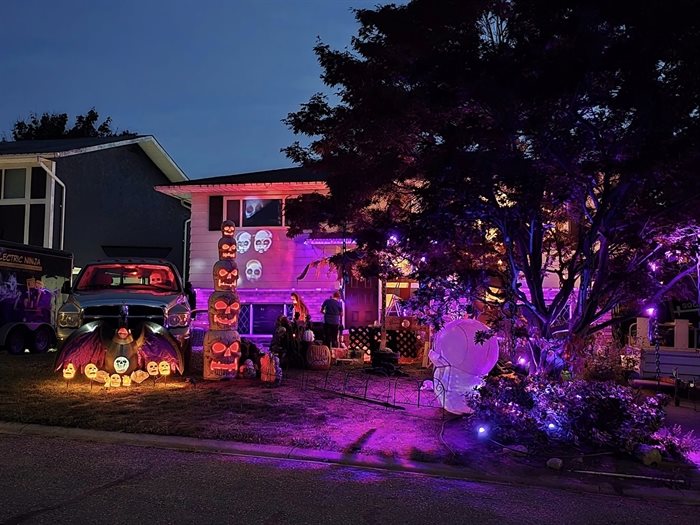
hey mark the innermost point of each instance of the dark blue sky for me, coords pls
(210, 79)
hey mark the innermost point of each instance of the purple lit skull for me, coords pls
(243, 241)
(253, 270)
(263, 241)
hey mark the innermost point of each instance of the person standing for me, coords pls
(332, 310)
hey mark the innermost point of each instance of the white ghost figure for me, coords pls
(253, 270)
(460, 363)
(252, 206)
(243, 241)
(263, 240)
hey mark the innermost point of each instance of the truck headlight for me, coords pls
(68, 319)
(178, 320)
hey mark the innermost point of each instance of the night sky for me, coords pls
(211, 80)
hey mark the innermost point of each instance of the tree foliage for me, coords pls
(519, 142)
(55, 126)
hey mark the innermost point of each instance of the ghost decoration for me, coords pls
(227, 248)
(263, 241)
(252, 206)
(228, 228)
(253, 270)
(222, 350)
(243, 242)
(460, 363)
(225, 274)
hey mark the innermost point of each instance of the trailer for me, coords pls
(31, 279)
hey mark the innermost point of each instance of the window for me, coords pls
(247, 212)
(24, 199)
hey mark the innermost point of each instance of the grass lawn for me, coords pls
(300, 412)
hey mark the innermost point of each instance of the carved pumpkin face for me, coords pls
(225, 275)
(223, 310)
(227, 248)
(90, 371)
(222, 349)
(228, 228)
(69, 371)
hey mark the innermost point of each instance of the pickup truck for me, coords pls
(148, 290)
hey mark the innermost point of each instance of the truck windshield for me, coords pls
(152, 277)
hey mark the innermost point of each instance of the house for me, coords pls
(93, 197)
(271, 265)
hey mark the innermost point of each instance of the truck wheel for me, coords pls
(15, 342)
(43, 337)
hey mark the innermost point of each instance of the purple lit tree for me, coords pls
(545, 149)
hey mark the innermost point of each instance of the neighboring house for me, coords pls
(93, 197)
(270, 263)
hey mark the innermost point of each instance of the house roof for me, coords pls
(58, 148)
(283, 177)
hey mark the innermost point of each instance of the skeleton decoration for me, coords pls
(263, 241)
(222, 344)
(253, 270)
(243, 241)
(225, 275)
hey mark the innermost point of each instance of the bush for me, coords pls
(597, 415)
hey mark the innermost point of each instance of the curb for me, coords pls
(234, 448)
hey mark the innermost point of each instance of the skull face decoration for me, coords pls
(227, 248)
(225, 275)
(243, 241)
(223, 310)
(263, 240)
(222, 349)
(156, 279)
(253, 270)
(228, 228)
(69, 371)
(121, 364)
(252, 206)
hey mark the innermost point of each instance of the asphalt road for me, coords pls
(53, 480)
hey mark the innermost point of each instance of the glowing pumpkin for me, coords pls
(227, 248)
(318, 357)
(228, 228)
(222, 350)
(270, 371)
(223, 310)
(225, 274)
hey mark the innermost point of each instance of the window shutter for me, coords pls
(216, 212)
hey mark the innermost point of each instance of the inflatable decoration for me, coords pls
(222, 344)
(460, 363)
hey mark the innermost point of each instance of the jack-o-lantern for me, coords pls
(228, 228)
(225, 275)
(90, 371)
(222, 350)
(69, 371)
(227, 248)
(223, 310)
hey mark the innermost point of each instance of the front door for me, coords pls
(361, 302)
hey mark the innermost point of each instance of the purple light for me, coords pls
(482, 431)
(551, 426)
(522, 361)
(650, 311)
(653, 266)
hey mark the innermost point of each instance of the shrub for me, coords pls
(598, 415)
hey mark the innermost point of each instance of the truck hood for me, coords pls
(100, 298)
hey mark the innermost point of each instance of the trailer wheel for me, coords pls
(41, 342)
(15, 342)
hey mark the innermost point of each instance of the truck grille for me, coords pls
(137, 314)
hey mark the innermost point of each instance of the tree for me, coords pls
(54, 126)
(512, 140)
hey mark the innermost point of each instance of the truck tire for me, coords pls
(42, 340)
(16, 341)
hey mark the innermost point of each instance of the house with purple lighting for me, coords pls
(271, 265)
